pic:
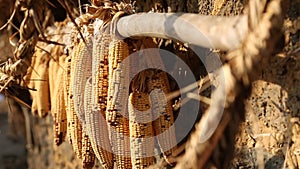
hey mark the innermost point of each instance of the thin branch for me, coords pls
(203, 84)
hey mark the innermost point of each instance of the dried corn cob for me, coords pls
(96, 93)
(74, 124)
(100, 71)
(55, 68)
(88, 155)
(116, 114)
(81, 72)
(121, 143)
(96, 128)
(58, 110)
(118, 87)
(66, 80)
(141, 131)
(158, 85)
(75, 130)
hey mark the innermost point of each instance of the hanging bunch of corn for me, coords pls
(116, 114)
(96, 90)
(162, 112)
(141, 131)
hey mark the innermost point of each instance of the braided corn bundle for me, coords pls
(81, 72)
(141, 131)
(116, 114)
(88, 155)
(95, 101)
(158, 86)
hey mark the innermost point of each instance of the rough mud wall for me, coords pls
(269, 137)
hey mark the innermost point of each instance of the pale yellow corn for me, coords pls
(74, 124)
(96, 128)
(95, 102)
(56, 63)
(58, 110)
(58, 107)
(81, 72)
